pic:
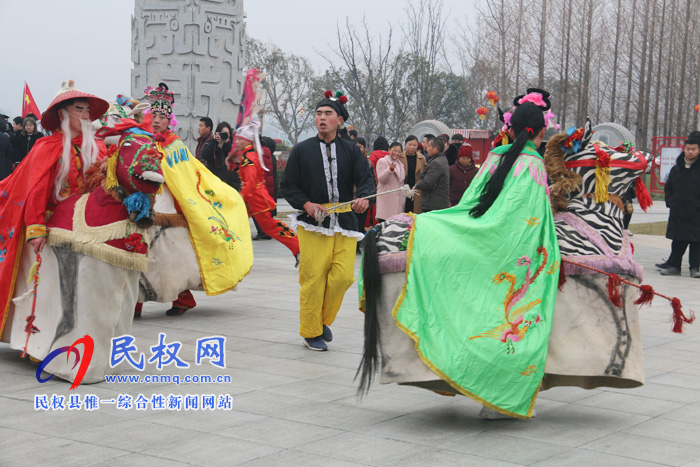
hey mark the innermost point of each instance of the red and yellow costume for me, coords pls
(26, 201)
(260, 203)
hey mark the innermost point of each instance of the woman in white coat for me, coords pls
(390, 176)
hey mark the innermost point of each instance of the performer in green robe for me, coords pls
(482, 276)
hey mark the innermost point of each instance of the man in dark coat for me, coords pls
(683, 199)
(6, 151)
(453, 148)
(435, 181)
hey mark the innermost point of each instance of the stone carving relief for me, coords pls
(196, 47)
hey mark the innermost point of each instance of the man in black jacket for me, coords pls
(683, 199)
(435, 181)
(453, 148)
(321, 170)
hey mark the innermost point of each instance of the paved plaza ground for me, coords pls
(291, 406)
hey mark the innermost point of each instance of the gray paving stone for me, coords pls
(593, 417)
(668, 430)
(645, 449)
(682, 380)
(443, 457)
(296, 407)
(613, 401)
(504, 448)
(290, 457)
(280, 433)
(547, 431)
(580, 457)
(434, 433)
(210, 450)
(58, 452)
(138, 460)
(687, 414)
(364, 449)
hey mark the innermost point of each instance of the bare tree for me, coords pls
(288, 86)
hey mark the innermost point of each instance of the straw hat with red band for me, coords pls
(50, 119)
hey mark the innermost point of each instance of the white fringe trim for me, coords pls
(295, 224)
(102, 251)
(84, 233)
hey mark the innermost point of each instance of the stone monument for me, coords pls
(196, 48)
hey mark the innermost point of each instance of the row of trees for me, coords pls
(627, 61)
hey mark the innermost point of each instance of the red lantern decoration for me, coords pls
(492, 97)
(482, 111)
(697, 107)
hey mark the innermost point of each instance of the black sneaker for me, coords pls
(315, 343)
(695, 273)
(670, 271)
(328, 335)
(663, 265)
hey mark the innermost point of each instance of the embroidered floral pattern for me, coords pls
(221, 228)
(135, 243)
(515, 326)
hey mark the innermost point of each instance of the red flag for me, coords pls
(28, 104)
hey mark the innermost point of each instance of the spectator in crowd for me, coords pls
(414, 164)
(17, 124)
(353, 134)
(26, 139)
(391, 175)
(435, 181)
(682, 191)
(453, 148)
(205, 135)
(360, 141)
(343, 133)
(215, 151)
(6, 151)
(462, 173)
(427, 138)
(362, 216)
(380, 148)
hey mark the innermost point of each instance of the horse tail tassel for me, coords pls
(373, 291)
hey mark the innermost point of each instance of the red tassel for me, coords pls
(615, 290)
(678, 317)
(562, 278)
(646, 295)
(643, 196)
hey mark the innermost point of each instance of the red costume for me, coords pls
(27, 195)
(259, 202)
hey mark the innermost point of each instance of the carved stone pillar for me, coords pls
(196, 48)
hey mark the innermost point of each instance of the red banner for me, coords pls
(28, 103)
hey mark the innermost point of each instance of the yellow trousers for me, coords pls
(326, 272)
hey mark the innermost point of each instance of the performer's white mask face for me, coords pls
(78, 112)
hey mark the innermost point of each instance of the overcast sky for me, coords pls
(49, 41)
